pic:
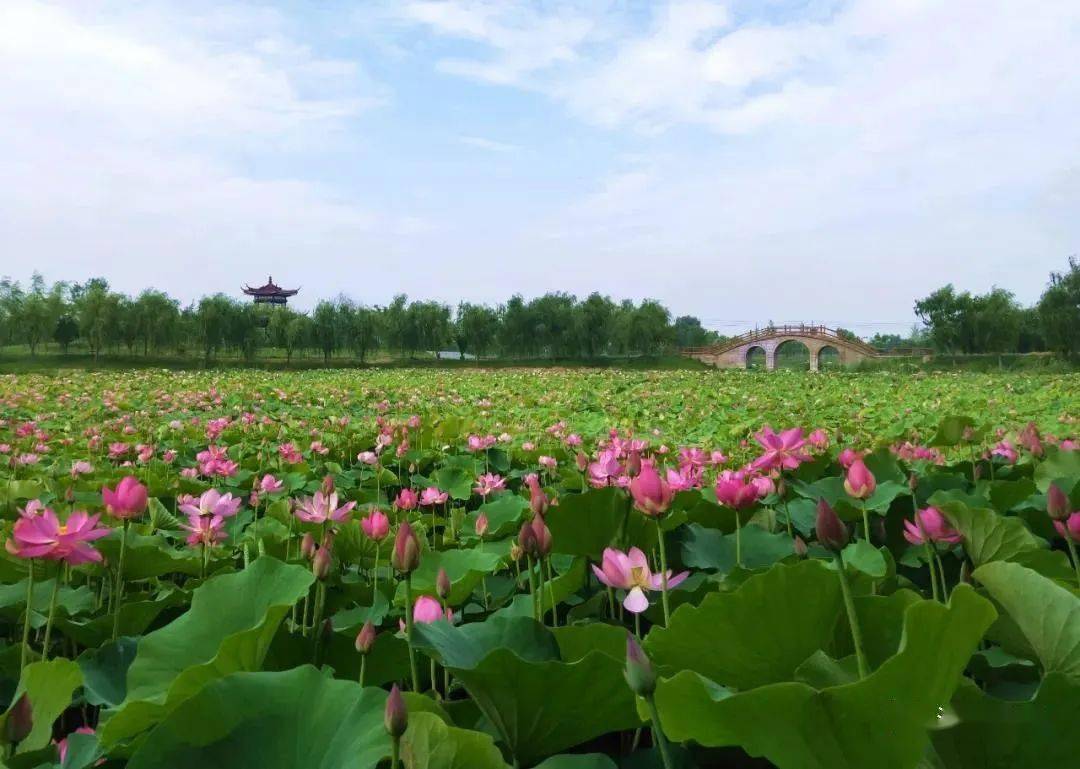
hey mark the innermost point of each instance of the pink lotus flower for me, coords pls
(290, 454)
(406, 500)
(1006, 451)
(1070, 527)
(819, 439)
(930, 526)
(322, 508)
(270, 485)
(488, 483)
(630, 571)
(213, 502)
(783, 451)
(860, 482)
(481, 524)
(368, 458)
(683, 479)
(604, 470)
(847, 457)
(548, 463)
(82, 467)
(427, 610)
(433, 496)
(376, 525)
(538, 500)
(39, 534)
(651, 494)
(169, 456)
(128, 501)
(118, 450)
(732, 490)
(717, 458)
(204, 530)
(62, 746)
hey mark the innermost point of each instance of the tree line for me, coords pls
(995, 322)
(94, 318)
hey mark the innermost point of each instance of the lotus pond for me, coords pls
(567, 569)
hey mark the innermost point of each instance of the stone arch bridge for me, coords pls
(733, 353)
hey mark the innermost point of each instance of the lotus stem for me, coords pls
(853, 619)
(931, 559)
(658, 733)
(26, 623)
(52, 612)
(551, 594)
(1072, 554)
(941, 576)
(663, 573)
(409, 630)
(120, 581)
(532, 588)
(363, 668)
(395, 750)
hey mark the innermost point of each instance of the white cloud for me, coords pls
(490, 145)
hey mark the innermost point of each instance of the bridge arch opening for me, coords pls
(756, 359)
(793, 355)
(829, 358)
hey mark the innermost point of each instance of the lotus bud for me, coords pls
(307, 546)
(20, 721)
(320, 563)
(396, 716)
(365, 639)
(1057, 503)
(831, 531)
(652, 494)
(406, 554)
(799, 546)
(913, 482)
(543, 536)
(781, 487)
(481, 525)
(633, 464)
(860, 482)
(328, 539)
(582, 460)
(328, 485)
(442, 584)
(527, 539)
(538, 500)
(515, 552)
(639, 670)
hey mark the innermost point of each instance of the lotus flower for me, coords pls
(270, 485)
(213, 502)
(652, 495)
(405, 556)
(630, 571)
(433, 496)
(322, 508)
(735, 492)
(407, 499)
(488, 483)
(847, 457)
(427, 610)
(930, 526)
(783, 451)
(41, 535)
(1070, 527)
(860, 482)
(538, 500)
(205, 530)
(481, 524)
(376, 525)
(128, 501)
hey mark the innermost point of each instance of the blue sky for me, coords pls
(741, 161)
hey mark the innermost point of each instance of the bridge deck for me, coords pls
(776, 332)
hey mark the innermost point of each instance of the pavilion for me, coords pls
(271, 293)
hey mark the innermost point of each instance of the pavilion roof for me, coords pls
(269, 289)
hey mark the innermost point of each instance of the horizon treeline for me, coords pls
(92, 317)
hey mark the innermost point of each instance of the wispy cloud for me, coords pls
(488, 144)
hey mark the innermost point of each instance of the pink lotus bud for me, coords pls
(481, 525)
(582, 460)
(320, 564)
(1057, 503)
(396, 717)
(847, 457)
(527, 539)
(307, 546)
(639, 670)
(543, 536)
(406, 554)
(800, 546)
(20, 721)
(652, 494)
(128, 501)
(442, 583)
(831, 531)
(365, 639)
(376, 525)
(328, 485)
(407, 499)
(860, 482)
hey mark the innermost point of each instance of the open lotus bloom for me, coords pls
(323, 507)
(930, 526)
(630, 571)
(41, 535)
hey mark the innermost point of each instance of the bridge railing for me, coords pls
(771, 332)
